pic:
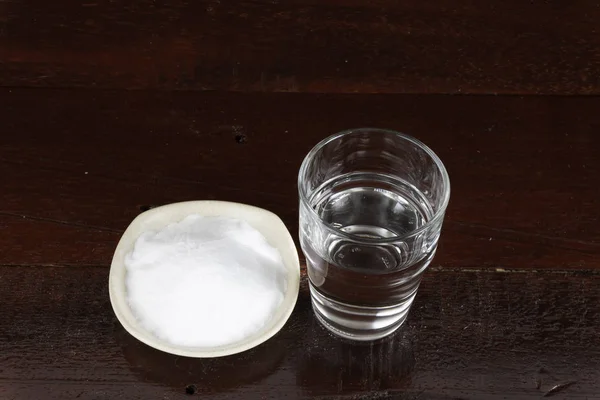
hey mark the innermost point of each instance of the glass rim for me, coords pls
(437, 216)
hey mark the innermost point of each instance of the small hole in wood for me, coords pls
(191, 389)
(240, 138)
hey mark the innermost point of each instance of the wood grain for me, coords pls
(470, 335)
(77, 165)
(509, 308)
(443, 46)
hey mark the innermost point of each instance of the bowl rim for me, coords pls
(271, 226)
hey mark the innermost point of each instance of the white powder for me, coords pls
(205, 281)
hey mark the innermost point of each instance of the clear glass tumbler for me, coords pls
(372, 203)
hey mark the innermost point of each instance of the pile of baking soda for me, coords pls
(205, 281)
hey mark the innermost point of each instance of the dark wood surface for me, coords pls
(470, 335)
(80, 164)
(449, 46)
(509, 309)
(108, 109)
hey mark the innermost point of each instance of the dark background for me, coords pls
(108, 108)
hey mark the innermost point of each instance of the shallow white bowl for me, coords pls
(267, 223)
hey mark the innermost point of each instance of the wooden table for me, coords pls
(105, 112)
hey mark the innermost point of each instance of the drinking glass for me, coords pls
(372, 203)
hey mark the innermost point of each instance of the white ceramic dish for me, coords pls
(267, 223)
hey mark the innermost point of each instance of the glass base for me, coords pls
(356, 322)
